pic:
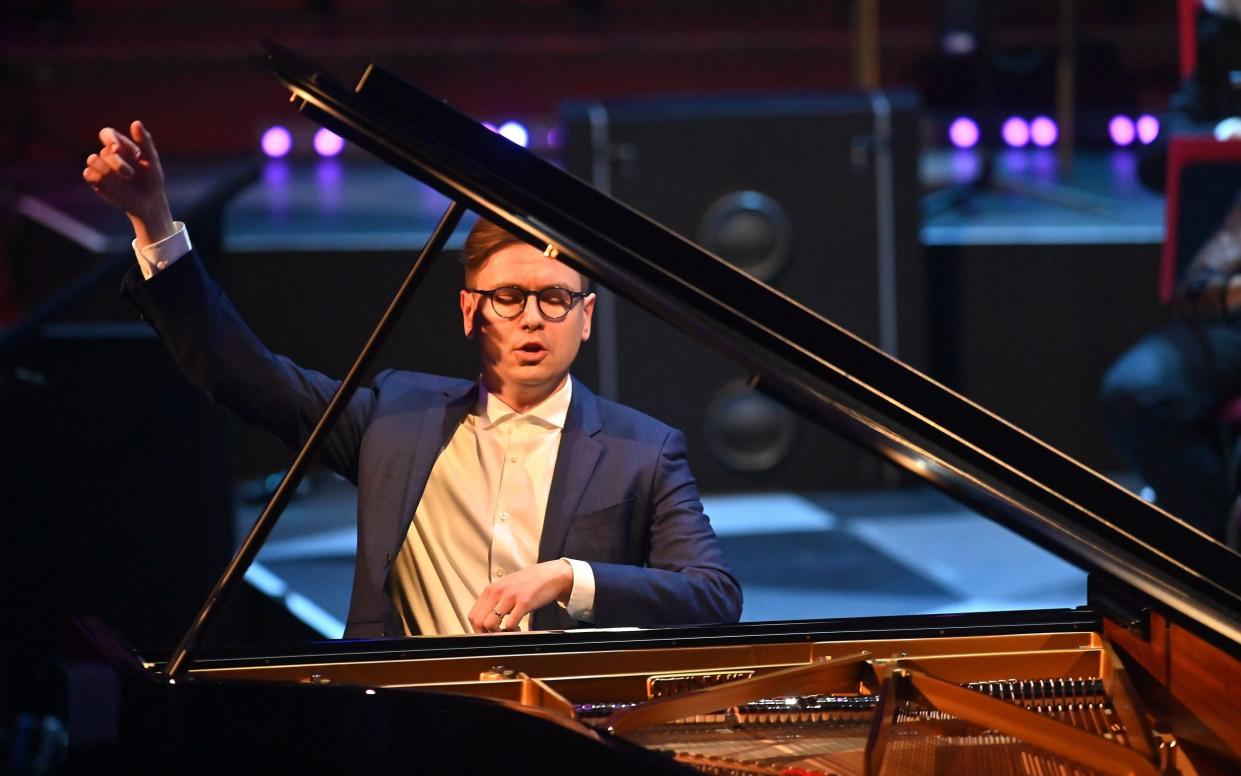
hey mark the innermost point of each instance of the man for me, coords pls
(516, 501)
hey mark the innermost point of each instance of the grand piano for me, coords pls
(1143, 679)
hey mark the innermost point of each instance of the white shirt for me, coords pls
(481, 515)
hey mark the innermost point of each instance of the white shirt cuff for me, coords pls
(158, 255)
(581, 605)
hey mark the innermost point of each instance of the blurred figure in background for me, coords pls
(1162, 398)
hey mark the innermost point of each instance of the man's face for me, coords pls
(524, 359)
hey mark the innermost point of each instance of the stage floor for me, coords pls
(797, 556)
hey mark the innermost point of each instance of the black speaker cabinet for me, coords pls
(115, 488)
(816, 195)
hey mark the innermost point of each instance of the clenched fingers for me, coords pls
(112, 158)
(489, 612)
(520, 593)
(98, 172)
(119, 144)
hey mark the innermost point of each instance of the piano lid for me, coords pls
(794, 354)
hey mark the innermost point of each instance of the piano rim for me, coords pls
(1014, 622)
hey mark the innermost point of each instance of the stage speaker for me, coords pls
(815, 195)
(116, 483)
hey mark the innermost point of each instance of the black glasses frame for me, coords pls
(574, 297)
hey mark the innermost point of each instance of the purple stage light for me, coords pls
(328, 143)
(490, 126)
(1122, 130)
(1148, 129)
(1043, 131)
(965, 166)
(1015, 131)
(328, 174)
(276, 142)
(963, 132)
(515, 132)
(276, 175)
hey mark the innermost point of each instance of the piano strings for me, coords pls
(828, 734)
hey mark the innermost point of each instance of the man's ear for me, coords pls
(588, 312)
(469, 308)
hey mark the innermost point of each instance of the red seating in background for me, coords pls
(1186, 12)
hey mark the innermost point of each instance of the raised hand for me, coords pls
(126, 173)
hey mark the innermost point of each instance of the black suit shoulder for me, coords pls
(400, 383)
(623, 421)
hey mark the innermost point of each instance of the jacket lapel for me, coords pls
(575, 462)
(439, 422)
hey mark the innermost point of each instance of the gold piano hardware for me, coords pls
(790, 681)
(674, 684)
(1069, 719)
(532, 692)
(1061, 701)
(314, 679)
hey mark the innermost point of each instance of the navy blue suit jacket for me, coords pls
(622, 496)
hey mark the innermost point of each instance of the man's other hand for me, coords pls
(126, 173)
(504, 602)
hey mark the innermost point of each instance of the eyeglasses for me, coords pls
(510, 301)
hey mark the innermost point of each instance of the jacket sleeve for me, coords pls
(685, 580)
(217, 352)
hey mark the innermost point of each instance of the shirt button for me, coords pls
(504, 515)
(499, 572)
(512, 459)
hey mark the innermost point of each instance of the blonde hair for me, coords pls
(485, 240)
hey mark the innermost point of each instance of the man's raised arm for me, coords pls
(205, 334)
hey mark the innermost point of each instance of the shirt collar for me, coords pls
(551, 412)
